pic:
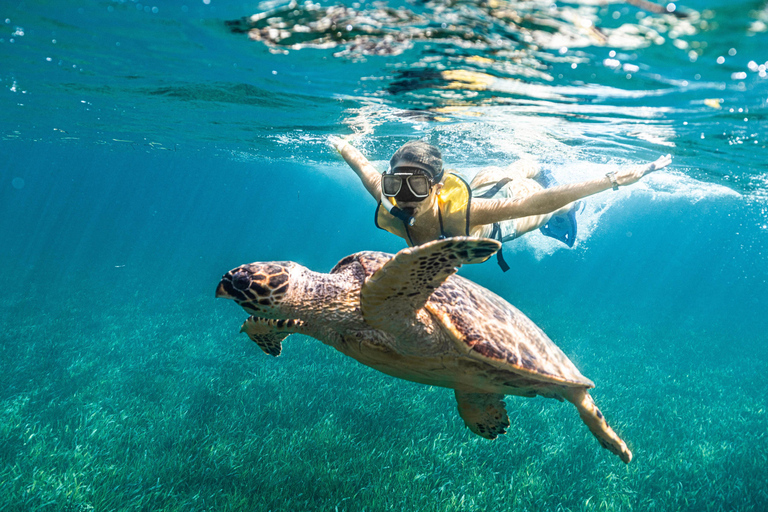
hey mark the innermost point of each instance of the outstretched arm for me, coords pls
(488, 211)
(365, 171)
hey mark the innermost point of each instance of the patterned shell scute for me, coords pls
(497, 332)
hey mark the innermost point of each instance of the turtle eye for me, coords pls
(241, 280)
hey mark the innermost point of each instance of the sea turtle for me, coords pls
(408, 316)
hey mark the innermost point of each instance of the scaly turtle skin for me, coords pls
(409, 316)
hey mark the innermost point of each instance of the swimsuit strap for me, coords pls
(496, 235)
(494, 189)
(440, 218)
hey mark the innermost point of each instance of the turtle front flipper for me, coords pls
(269, 334)
(596, 423)
(404, 284)
(484, 413)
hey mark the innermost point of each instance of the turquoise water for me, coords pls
(149, 148)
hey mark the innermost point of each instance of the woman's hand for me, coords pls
(360, 165)
(337, 142)
(633, 175)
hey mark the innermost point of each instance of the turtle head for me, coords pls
(259, 288)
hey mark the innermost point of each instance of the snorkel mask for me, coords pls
(413, 170)
(406, 185)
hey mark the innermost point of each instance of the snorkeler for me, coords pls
(419, 201)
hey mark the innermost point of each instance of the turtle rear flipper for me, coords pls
(268, 333)
(395, 292)
(596, 423)
(484, 413)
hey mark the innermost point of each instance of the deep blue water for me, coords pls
(149, 148)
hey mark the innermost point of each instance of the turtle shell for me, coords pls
(492, 330)
(483, 326)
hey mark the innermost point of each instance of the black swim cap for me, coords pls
(421, 155)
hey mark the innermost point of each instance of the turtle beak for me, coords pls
(221, 293)
(225, 290)
(235, 284)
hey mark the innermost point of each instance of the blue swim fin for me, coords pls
(560, 227)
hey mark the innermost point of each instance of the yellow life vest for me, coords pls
(453, 203)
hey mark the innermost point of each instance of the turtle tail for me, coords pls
(268, 333)
(596, 423)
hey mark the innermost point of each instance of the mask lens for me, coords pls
(390, 185)
(419, 185)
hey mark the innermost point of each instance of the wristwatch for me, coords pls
(612, 176)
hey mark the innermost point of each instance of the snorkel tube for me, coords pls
(396, 212)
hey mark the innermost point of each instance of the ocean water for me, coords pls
(149, 148)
